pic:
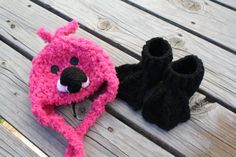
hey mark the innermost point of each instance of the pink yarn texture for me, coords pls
(44, 95)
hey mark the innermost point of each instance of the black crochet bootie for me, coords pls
(135, 79)
(167, 104)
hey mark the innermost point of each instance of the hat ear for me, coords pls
(45, 35)
(70, 28)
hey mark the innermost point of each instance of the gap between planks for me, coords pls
(190, 20)
(231, 4)
(10, 146)
(194, 16)
(14, 132)
(102, 17)
(173, 139)
(105, 138)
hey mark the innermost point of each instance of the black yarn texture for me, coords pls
(167, 103)
(136, 79)
(73, 77)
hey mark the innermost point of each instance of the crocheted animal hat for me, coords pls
(67, 70)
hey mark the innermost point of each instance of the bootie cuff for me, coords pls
(157, 50)
(185, 73)
(156, 55)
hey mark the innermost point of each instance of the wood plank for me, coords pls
(230, 3)
(197, 15)
(189, 145)
(211, 131)
(100, 141)
(27, 143)
(110, 19)
(11, 146)
(20, 29)
(113, 134)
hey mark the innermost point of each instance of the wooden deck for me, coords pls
(206, 28)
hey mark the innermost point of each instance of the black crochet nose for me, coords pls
(73, 77)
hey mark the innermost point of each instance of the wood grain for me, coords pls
(11, 146)
(189, 145)
(131, 27)
(100, 141)
(231, 3)
(197, 15)
(114, 135)
(21, 30)
(27, 143)
(211, 131)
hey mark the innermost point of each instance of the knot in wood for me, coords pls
(110, 129)
(179, 34)
(3, 63)
(12, 26)
(176, 42)
(104, 24)
(191, 5)
(199, 105)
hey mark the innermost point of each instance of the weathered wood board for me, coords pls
(27, 143)
(197, 15)
(113, 135)
(231, 3)
(100, 141)
(188, 145)
(110, 19)
(210, 132)
(11, 146)
(20, 29)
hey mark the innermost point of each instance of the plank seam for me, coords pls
(109, 41)
(26, 54)
(129, 123)
(120, 118)
(122, 48)
(180, 26)
(96, 34)
(138, 129)
(224, 5)
(24, 136)
(211, 98)
(30, 57)
(15, 47)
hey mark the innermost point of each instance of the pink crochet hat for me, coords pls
(68, 70)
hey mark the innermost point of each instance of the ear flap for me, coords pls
(98, 107)
(70, 28)
(45, 35)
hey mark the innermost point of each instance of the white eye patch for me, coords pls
(86, 84)
(63, 88)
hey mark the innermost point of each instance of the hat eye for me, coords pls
(74, 60)
(54, 69)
